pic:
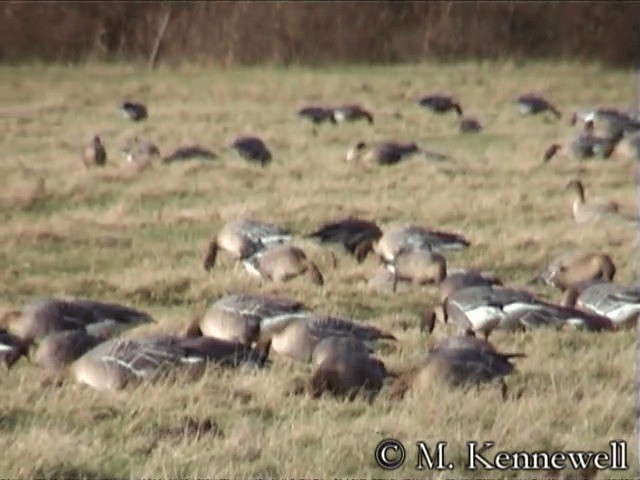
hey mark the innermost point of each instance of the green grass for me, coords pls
(113, 235)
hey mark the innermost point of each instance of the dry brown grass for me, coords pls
(136, 238)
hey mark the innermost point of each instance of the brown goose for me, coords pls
(356, 235)
(344, 369)
(94, 154)
(575, 267)
(459, 361)
(243, 238)
(281, 263)
(38, 319)
(114, 364)
(238, 317)
(591, 211)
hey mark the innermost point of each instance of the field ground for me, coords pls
(115, 235)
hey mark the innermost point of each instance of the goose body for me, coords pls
(59, 349)
(457, 280)
(530, 104)
(114, 364)
(619, 303)
(241, 317)
(381, 153)
(243, 238)
(281, 263)
(355, 235)
(398, 238)
(440, 104)
(134, 111)
(94, 154)
(576, 267)
(40, 318)
(252, 149)
(189, 152)
(419, 266)
(343, 369)
(317, 114)
(140, 151)
(470, 125)
(352, 113)
(591, 211)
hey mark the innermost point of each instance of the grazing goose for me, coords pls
(351, 113)
(238, 317)
(417, 265)
(252, 149)
(460, 361)
(134, 111)
(343, 369)
(575, 267)
(470, 125)
(457, 280)
(317, 114)
(11, 348)
(140, 151)
(243, 238)
(282, 263)
(482, 309)
(114, 364)
(356, 235)
(399, 237)
(584, 211)
(94, 154)
(59, 349)
(382, 153)
(620, 303)
(530, 104)
(190, 152)
(40, 318)
(297, 337)
(440, 104)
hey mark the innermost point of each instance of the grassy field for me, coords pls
(115, 235)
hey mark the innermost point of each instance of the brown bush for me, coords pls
(319, 33)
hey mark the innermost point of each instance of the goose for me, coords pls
(140, 151)
(94, 154)
(470, 125)
(351, 113)
(282, 263)
(457, 280)
(296, 337)
(574, 267)
(530, 104)
(460, 361)
(585, 145)
(620, 303)
(612, 121)
(344, 369)
(381, 153)
(243, 238)
(116, 363)
(134, 111)
(252, 149)
(356, 235)
(40, 318)
(59, 349)
(420, 266)
(440, 104)
(482, 309)
(584, 211)
(399, 237)
(11, 348)
(189, 152)
(317, 114)
(238, 317)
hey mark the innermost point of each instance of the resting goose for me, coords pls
(575, 267)
(352, 113)
(400, 237)
(40, 318)
(252, 149)
(243, 238)
(440, 104)
(459, 361)
(356, 235)
(134, 111)
(344, 369)
(94, 154)
(620, 303)
(381, 153)
(282, 263)
(114, 364)
(239, 317)
(584, 211)
(530, 104)
(297, 337)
